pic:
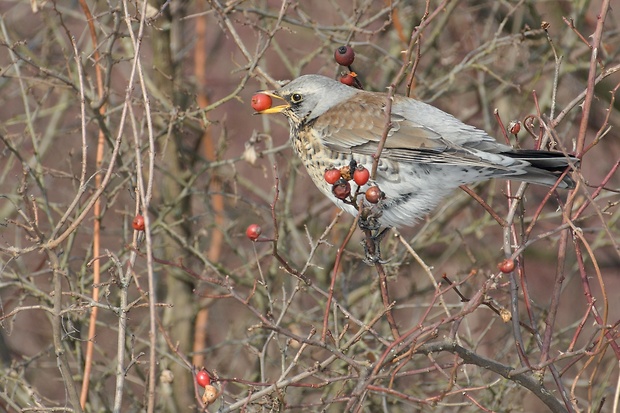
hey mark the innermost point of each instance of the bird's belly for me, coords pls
(411, 190)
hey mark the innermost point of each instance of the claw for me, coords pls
(369, 222)
(373, 258)
(372, 247)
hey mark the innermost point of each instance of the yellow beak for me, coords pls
(273, 109)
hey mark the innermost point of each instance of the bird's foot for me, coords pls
(372, 246)
(369, 223)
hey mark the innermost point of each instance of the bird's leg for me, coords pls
(372, 250)
(379, 235)
(372, 243)
(368, 222)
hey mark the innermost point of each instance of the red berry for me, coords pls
(138, 223)
(361, 175)
(374, 194)
(341, 189)
(332, 175)
(202, 378)
(348, 79)
(261, 101)
(514, 127)
(344, 55)
(506, 266)
(253, 231)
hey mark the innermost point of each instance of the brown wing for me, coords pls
(356, 126)
(361, 120)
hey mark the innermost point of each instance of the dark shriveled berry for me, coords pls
(341, 189)
(344, 55)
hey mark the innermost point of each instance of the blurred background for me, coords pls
(110, 110)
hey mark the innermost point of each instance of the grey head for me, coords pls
(308, 97)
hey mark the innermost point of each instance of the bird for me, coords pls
(427, 154)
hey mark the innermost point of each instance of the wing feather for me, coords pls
(356, 126)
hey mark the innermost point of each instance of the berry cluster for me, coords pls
(344, 56)
(204, 380)
(337, 177)
(341, 188)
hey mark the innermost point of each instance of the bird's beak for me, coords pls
(273, 109)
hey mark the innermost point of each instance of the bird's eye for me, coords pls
(296, 98)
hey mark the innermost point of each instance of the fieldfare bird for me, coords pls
(427, 153)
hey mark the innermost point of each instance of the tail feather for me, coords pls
(545, 167)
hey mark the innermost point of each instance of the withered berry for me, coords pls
(341, 189)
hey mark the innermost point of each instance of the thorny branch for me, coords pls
(435, 311)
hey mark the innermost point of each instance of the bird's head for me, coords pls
(308, 97)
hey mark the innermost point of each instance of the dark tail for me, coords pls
(546, 167)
